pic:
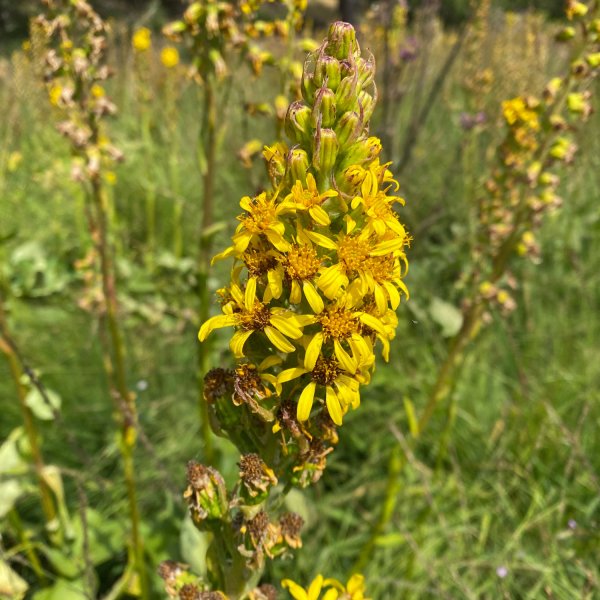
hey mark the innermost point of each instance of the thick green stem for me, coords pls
(7, 347)
(209, 142)
(125, 402)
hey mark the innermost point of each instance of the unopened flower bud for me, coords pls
(323, 112)
(206, 493)
(361, 152)
(193, 13)
(345, 95)
(565, 34)
(298, 165)
(298, 122)
(307, 85)
(366, 104)
(366, 71)
(341, 40)
(326, 148)
(348, 128)
(327, 72)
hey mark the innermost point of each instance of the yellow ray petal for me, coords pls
(313, 350)
(289, 374)
(216, 323)
(315, 301)
(250, 294)
(319, 215)
(286, 325)
(344, 358)
(333, 405)
(237, 342)
(305, 402)
(278, 340)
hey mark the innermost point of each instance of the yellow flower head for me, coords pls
(142, 39)
(169, 57)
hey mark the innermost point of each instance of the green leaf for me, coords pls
(413, 422)
(43, 408)
(65, 589)
(194, 544)
(11, 459)
(11, 584)
(9, 493)
(106, 537)
(446, 315)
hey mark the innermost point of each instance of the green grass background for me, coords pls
(507, 475)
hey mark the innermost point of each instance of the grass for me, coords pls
(499, 499)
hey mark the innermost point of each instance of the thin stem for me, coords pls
(209, 142)
(7, 347)
(124, 399)
(28, 547)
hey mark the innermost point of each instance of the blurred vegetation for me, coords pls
(499, 498)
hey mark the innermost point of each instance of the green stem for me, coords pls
(395, 466)
(208, 141)
(28, 547)
(124, 399)
(7, 347)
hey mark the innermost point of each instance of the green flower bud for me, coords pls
(345, 95)
(348, 128)
(307, 86)
(565, 34)
(326, 148)
(364, 150)
(298, 165)
(205, 494)
(323, 112)
(298, 122)
(327, 72)
(366, 102)
(576, 103)
(366, 71)
(593, 60)
(341, 40)
(193, 13)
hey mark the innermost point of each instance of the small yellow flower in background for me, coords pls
(142, 39)
(54, 94)
(14, 160)
(353, 590)
(98, 91)
(169, 57)
(520, 110)
(110, 177)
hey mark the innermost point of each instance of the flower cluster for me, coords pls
(538, 140)
(320, 257)
(75, 72)
(212, 28)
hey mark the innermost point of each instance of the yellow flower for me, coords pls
(326, 373)
(309, 199)
(249, 315)
(142, 39)
(55, 93)
(353, 590)
(169, 57)
(261, 218)
(302, 264)
(378, 207)
(518, 110)
(352, 252)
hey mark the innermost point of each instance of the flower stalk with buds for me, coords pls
(75, 72)
(319, 260)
